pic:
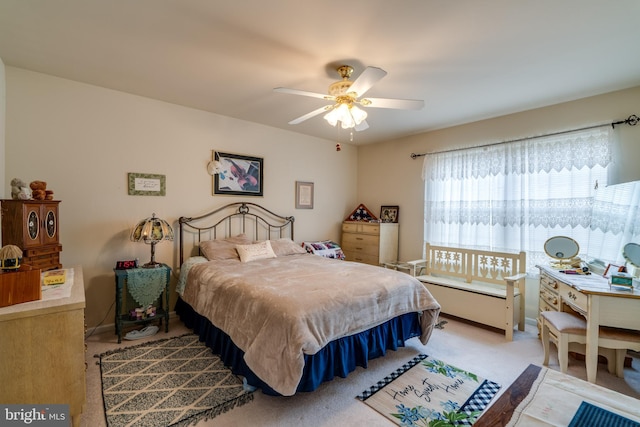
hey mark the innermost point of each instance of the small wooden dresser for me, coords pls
(370, 242)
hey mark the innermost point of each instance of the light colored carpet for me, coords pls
(482, 351)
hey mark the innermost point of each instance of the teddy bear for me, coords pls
(39, 191)
(20, 190)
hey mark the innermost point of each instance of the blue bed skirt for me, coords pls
(338, 358)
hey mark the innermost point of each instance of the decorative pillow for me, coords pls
(223, 248)
(325, 248)
(256, 251)
(284, 247)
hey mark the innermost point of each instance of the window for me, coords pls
(514, 196)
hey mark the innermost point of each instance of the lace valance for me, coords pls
(578, 149)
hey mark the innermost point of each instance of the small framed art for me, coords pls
(389, 213)
(147, 184)
(238, 175)
(304, 195)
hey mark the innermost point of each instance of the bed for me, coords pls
(282, 318)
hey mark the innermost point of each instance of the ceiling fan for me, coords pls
(346, 96)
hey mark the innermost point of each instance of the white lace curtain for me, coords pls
(514, 196)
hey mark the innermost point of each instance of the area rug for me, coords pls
(170, 382)
(429, 392)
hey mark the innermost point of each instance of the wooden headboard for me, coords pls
(247, 218)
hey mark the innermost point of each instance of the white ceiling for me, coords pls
(467, 59)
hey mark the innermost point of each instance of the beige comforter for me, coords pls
(277, 310)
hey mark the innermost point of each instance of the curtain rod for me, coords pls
(632, 120)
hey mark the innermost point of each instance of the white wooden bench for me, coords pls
(482, 286)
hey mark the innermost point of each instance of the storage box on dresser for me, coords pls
(21, 285)
(370, 242)
(33, 226)
(42, 353)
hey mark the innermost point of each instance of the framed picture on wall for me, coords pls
(238, 175)
(304, 195)
(146, 184)
(389, 213)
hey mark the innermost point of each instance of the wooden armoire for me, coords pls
(33, 226)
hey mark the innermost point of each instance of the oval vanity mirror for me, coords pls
(564, 249)
(631, 253)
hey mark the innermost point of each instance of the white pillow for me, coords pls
(285, 246)
(261, 250)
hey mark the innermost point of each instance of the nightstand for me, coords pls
(139, 288)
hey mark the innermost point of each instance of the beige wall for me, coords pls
(3, 92)
(83, 140)
(387, 174)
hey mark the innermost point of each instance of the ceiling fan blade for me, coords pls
(311, 114)
(303, 93)
(362, 126)
(364, 82)
(400, 104)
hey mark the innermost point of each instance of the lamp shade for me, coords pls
(151, 231)
(358, 115)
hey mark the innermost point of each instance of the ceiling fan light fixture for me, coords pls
(348, 115)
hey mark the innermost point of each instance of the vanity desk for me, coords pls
(593, 297)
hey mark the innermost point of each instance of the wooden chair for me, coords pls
(566, 329)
